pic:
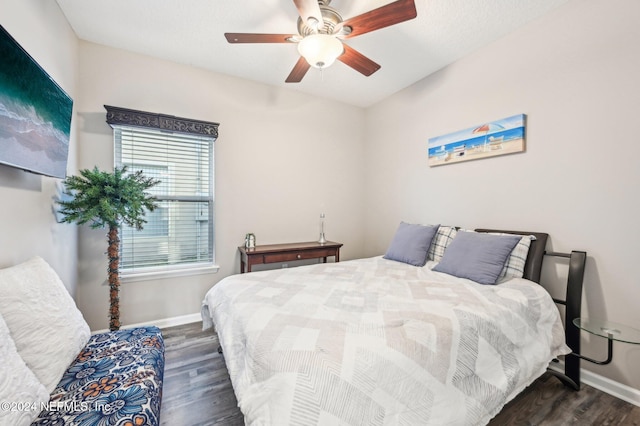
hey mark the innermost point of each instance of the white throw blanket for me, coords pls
(378, 342)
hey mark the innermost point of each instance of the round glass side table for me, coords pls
(610, 331)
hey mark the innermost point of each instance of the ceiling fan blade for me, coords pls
(309, 9)
(298, 71)
(259, 38)
(358, 61)
(385, 16)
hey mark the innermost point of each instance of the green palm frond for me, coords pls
(103, 199)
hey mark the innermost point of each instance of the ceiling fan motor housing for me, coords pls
(330, 17)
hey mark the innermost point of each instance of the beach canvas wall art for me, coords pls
(35, 114)
(500, 137)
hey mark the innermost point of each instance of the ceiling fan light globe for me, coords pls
(320, 50)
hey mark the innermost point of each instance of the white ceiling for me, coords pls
(191, 32)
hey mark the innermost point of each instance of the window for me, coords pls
(179, 233)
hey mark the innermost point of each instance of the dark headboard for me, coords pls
(533, 267)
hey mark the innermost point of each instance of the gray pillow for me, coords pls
(411, 243)
(477, 256)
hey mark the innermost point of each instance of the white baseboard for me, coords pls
(162, 323)
(613, 388)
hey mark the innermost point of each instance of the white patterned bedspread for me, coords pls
(378, 342)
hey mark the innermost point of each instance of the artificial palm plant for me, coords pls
(105, 199)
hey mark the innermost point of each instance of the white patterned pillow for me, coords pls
(514, 268)
(443, 238)
(18, 384)
(45, 324)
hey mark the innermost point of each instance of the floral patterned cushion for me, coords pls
(115, 380)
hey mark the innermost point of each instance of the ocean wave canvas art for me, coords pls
(35, 113)
(500, 137)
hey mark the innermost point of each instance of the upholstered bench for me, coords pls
(54, 372)
(115, 379)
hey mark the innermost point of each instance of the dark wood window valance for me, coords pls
(117, 116)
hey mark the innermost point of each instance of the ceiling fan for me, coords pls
(321, 29)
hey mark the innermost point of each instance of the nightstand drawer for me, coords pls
(289, 252)
(298, 255)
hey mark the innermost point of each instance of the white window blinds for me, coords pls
(179, 232)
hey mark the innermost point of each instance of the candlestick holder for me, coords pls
(322, 238)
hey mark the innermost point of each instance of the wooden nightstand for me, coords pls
(278, 253)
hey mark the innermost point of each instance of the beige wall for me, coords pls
(575, 74)
(281, 158)
(27, 223)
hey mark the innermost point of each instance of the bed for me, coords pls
(379, 341)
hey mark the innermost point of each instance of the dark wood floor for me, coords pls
(197, 391)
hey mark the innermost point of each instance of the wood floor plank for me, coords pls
(198, 392)
(197, 389)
